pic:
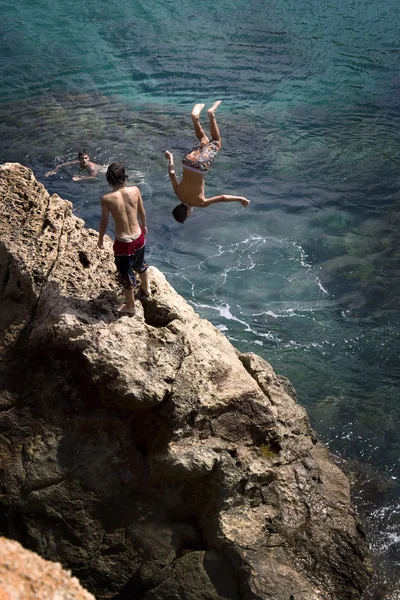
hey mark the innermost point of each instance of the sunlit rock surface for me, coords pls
(26, 576)
(146, 454)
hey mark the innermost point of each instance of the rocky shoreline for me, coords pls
(147, 454)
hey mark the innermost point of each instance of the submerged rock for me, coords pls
(146, 454)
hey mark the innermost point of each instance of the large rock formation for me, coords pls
(146, 454)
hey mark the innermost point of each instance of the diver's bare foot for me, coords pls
(214, 107)
(129, 310)
(197, 110)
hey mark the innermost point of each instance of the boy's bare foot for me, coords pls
(129, 310)
(142, 293)
(197, 110)
(214, 107)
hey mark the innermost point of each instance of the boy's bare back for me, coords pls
(125, 205)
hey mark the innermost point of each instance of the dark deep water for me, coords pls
(309, 275)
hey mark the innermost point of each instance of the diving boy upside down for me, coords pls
(196, 163)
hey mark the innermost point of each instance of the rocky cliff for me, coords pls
(146, 454)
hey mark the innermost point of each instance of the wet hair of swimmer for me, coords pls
(116, 174)
(82, 153)
(181, 212)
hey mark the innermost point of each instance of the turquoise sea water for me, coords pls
(309, 275)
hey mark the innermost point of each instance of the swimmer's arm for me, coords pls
(66, 164)
(93, 171)
(142, 214)
(105, 212)
(224, 198)
(84, 177)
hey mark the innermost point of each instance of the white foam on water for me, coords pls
(304, 263)
(245, 255)
(301, 310)
(225, 312)
(393, 538)
(305, 298)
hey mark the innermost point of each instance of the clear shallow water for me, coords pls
(309, 275)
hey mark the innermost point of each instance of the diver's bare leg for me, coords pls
(199, 131)
(215, 134)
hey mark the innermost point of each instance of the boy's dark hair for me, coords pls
(181, 212)
(116, 174)
(82, 153)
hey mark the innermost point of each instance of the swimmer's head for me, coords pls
(116, 174)
(182, 212)
(83, 158)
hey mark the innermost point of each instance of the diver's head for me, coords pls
(182, 212)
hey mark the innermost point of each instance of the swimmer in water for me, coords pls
(89, 170)
(196, 163)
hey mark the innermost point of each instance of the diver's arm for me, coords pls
(224, 198)
(171, 171)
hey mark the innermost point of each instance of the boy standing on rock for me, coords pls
(126, 206)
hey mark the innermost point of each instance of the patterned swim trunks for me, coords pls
(201, 157)
(128, 258)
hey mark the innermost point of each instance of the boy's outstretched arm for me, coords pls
(224, 198)
(171, 171)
